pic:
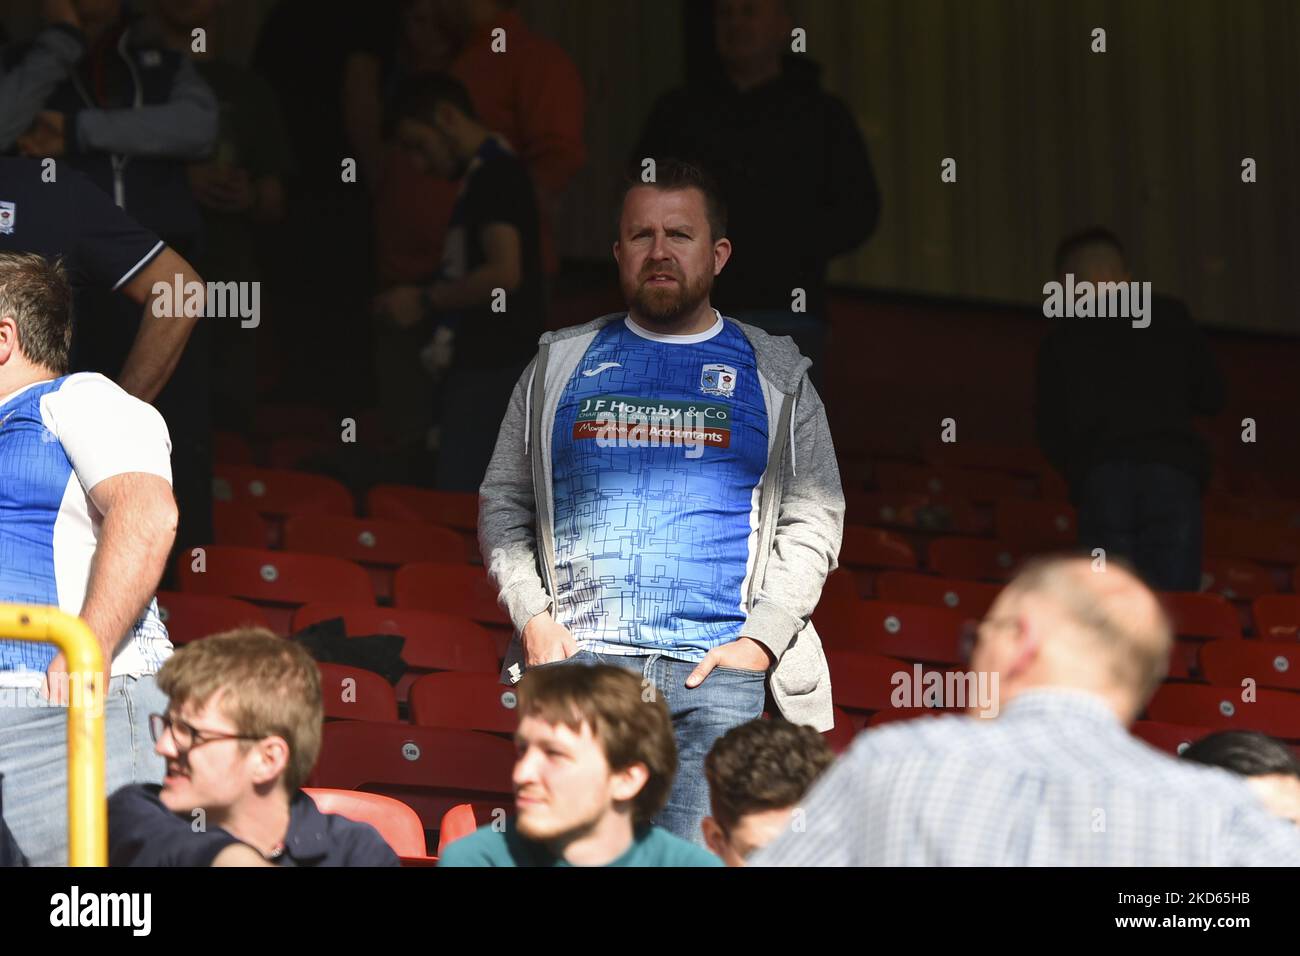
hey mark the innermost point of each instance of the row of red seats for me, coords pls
(280, 581)
(1204, 615)
(866, 683)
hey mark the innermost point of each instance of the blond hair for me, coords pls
(269, 687)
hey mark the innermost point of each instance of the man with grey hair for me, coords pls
(87, 518)
(1055, 779)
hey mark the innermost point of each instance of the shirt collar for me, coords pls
(308, 836)
(694, 339)
(1061, 703)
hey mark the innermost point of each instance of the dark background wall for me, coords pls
(1048, 136)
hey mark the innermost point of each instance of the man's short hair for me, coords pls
(1138, 650)
(420, 96)
(269, 686)
(1246, 752)
(35, 291)
(630, 728)
(763, 765)
(673, 174)
(1079, 250)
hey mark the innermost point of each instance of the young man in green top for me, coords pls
(596, 762)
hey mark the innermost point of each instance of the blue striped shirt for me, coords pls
(1056, 780)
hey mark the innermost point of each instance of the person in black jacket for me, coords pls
(1114, 414)
(789, 161)
(241, 734)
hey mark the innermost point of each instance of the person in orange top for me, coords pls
(530, 93)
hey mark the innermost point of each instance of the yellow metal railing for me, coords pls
(87, 693)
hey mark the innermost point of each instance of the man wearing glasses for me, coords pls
(1056, 779)
(241, 733)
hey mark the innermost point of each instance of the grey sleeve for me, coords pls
(185, 127)
(25, 89)
(810, 526)
(507, 517)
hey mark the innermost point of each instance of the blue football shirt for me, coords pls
(658, 453)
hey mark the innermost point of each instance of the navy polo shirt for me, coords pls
(143, 832)
(103, 247)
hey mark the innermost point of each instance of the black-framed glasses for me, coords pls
(186, 735)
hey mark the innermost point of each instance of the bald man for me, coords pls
(1055, 779)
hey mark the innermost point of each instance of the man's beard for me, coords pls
(666, 305)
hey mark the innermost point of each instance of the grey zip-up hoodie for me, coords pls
(801, 512)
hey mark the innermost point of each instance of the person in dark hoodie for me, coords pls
(128, 113)
(790, 163)
(1114, 410)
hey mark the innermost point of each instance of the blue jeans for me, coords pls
(1148, 513)
(727, 698)
(34, 759)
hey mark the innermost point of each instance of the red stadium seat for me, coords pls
(192, 616)
(450, 588)
(1171, 738)
(240, 526)
(464, 818)
(1035, 525)
(1277, 617)
(1274, 712)
(841, 587)
(274, 420)
(465, 701)
(1252, 540)
(840, 737)
(379, 544)
(973, 598)
(1235, 579)
(1185, 659)
(1205, 616)
(457, 822)
(430, 769)
(452, 509)
(874, 548)
(290, 451)
(1022, 459)
(374, 540)
(973, 558)
(278, 492)
(911, 632)
(863, 681)
(1274, 664)
(397, 823)
(231, 449)
(973, 484)
(434, 642)
(940, 514)
(351, 693)
(274, 578)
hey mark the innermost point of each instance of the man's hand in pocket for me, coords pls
(546, 641)
(745, 654)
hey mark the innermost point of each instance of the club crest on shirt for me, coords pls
(8, 213)
(718, 380)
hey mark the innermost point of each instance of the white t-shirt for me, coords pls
(59, 439)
